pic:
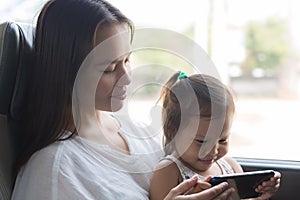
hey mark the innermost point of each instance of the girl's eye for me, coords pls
(223, 141)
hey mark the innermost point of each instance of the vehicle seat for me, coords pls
(15, 57)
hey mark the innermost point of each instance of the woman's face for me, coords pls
(114, 68)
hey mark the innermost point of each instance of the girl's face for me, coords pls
(188, 145)
(114, 67)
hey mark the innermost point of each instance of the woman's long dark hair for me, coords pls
(64, 36)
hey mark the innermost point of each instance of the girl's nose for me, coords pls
(214, 149)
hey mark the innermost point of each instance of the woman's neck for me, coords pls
(106, 131)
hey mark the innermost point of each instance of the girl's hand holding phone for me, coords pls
(269, 187)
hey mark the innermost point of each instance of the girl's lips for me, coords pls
(206, 161)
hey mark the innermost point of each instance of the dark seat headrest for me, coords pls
(15, 58)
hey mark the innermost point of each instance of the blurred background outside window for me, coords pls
(255, 45)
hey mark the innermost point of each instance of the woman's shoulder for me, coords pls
(49, 157)
(46, 155)
(34, 180)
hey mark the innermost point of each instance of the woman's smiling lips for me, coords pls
(120, 96)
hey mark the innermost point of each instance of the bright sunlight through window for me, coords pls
(255, 45)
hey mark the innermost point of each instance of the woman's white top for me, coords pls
(80, 169)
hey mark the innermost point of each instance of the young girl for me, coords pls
(197, 115)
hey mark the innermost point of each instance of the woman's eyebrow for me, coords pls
(199, 136)
(107, 62)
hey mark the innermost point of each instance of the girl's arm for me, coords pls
(234, 165)
(165, 177)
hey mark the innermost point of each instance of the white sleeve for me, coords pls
(43, 178)
(34, 179)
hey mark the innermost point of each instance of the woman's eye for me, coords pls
(113, 67)
(109, 70)
(200, 141)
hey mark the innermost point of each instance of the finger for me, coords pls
(274, 180)
(185, 186)
(207, 178)
(218, 192)
(200, 186)
(277, 175)
(203, 185)
(264, 196)
(269, 184)
(267, 190)
(225, 195)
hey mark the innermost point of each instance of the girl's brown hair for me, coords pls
(179, 103)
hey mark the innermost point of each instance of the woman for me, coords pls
(71, 147)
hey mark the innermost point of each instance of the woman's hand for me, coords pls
(200, 185)
(269, 187)
(183, 190)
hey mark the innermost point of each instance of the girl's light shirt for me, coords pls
(81, 169)
(187, 173)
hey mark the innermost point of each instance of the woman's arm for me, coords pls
(218, 192)
(165, 186)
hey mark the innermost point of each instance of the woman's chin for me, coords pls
(113, 107)
(117, 105)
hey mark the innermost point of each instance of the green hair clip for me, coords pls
(182, 75)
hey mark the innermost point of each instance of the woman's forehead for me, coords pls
(112, 42)
(106, 31)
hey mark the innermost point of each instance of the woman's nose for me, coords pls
(125, 75)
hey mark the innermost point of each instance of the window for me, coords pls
(254, 44)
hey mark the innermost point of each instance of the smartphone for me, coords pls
(244, 183)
